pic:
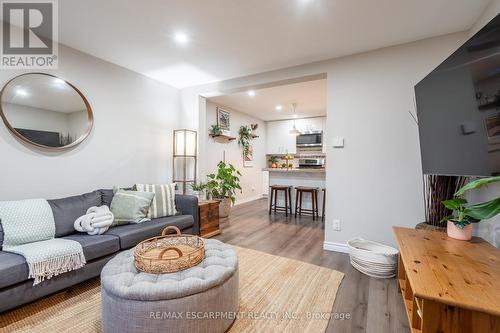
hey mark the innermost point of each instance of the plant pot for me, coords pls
(224, 207)
(455, 232)
(199, 194)
(274, 165)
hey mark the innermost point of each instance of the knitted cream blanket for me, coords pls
(29, 230)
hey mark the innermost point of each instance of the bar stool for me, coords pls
(314, 200)
(324, 204)
(275, 189)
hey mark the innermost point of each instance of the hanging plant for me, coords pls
(245, 136)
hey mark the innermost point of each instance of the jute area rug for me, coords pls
(277, 294)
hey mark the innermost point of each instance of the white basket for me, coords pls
(372, 258)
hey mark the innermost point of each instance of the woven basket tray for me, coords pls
(169, 253)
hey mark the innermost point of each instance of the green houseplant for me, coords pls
(245, 136)
(464, 213)
(223, 185)
(199, 190)
(273, 160)
(215, 130)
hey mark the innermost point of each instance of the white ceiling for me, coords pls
(309, 97)
(232, 38)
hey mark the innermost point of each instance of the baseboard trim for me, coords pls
(243, 201)
(337, 247)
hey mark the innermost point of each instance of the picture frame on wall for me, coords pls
(493, 127)
(223, 119)
(248, 158)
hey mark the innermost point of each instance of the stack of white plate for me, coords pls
(372, 258)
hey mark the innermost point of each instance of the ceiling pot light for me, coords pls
(294, 131)
(279, 107)
(181, 38)
(251, 93)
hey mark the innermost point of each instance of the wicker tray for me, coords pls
(169, 253)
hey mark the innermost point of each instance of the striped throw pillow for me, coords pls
(164, 200)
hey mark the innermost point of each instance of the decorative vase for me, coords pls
(201, 195)
(224, 207)
(455, 232)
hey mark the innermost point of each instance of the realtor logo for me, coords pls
(29, 34)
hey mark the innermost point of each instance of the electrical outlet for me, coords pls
(336, 225)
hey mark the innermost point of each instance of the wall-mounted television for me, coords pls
(458, 109)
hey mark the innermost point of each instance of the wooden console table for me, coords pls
(209, 218)
(448, 285)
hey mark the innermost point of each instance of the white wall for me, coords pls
(251, 179)
(377, 178)
(375, 182)
(130, 142)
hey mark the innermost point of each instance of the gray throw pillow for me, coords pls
(130, 206)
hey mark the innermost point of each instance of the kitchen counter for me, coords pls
(305, 170)
(296, 177)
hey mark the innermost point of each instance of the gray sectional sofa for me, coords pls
(16, 289)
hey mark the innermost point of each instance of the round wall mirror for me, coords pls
(45, 111)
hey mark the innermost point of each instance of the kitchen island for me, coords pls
(308, 177)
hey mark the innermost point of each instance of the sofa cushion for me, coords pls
(13, 269)
(67, 210)
(130, 206)
(107, 196)
(96, 246)
(164, 200)
(131, 234)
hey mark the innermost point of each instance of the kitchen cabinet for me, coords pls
(279, 141)
(310, 124)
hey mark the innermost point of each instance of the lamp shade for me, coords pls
(294, 131)
(185, 158)
(185, 142)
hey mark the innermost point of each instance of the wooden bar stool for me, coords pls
(324, 204)
(314, 201)
(273, 202)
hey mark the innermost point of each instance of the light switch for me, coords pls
(469, 127)
(338, 142)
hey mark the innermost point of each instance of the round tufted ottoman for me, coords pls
(203, 298)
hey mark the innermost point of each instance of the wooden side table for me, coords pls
(448, 285)
(209, 218)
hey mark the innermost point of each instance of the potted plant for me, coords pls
(274, 161)
(215, 130)
(245, 136)
(199, 190)
(438, 188)
(223, 185)
(254, 128)
(459, 223)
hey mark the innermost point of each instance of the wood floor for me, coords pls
(374, 305)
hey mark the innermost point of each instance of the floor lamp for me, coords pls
(185, 158)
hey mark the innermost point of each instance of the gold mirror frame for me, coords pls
(90, 117)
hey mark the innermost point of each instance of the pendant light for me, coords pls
(294, 131)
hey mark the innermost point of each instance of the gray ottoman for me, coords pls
(203, 298)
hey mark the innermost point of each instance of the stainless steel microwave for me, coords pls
(310, 139)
